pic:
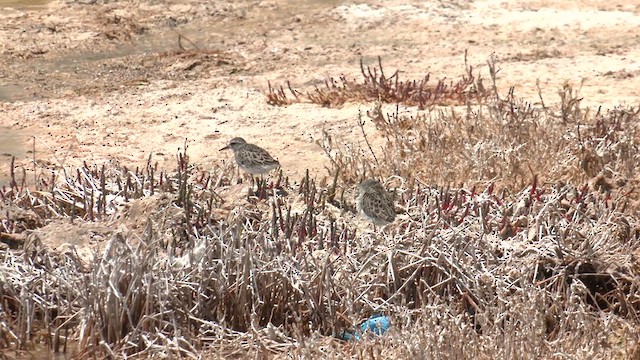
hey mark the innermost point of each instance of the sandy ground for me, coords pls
(84, 81)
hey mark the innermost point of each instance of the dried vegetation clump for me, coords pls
(504, 141)
(376, 86)
(517, 237)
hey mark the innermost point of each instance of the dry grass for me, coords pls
(504, 142)
(376, 86)
(535, 257)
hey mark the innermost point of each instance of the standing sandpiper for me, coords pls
(374, 203)
(251, 158)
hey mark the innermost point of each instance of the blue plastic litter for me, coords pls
(377, 324)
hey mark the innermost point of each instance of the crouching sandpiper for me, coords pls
(374, 203)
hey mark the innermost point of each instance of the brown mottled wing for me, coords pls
(377, 206)
(254, 154)
(386, 209)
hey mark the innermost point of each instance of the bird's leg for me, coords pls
(260, 187)
(254, 183)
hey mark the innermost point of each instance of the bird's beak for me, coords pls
(224, 148)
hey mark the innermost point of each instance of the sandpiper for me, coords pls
(374, 203)
(251, 158)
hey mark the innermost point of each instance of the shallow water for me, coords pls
(12, 92)
(22, 4)
(82, 64)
